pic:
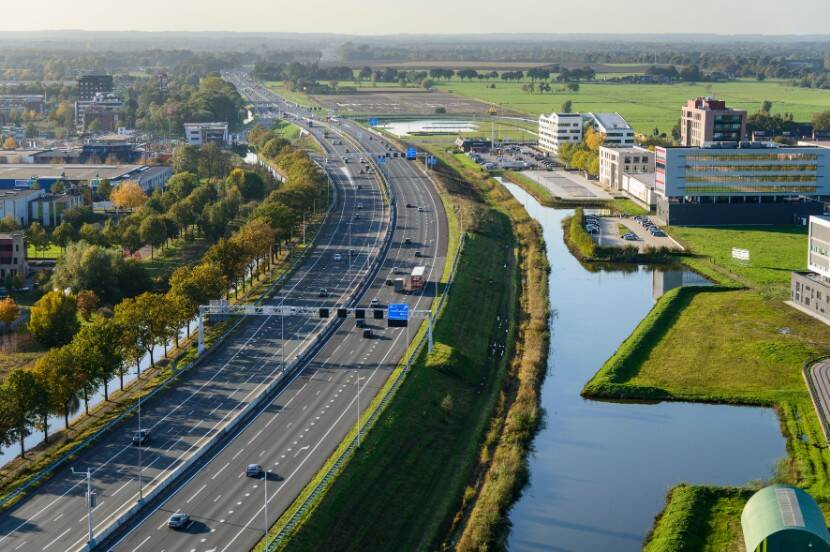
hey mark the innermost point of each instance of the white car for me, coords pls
(338, 257)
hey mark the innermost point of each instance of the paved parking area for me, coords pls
(568, 185)
(609, 235)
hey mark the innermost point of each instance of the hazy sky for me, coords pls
(424, 16)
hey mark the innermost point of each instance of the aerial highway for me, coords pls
(205, 399)
(293, 435)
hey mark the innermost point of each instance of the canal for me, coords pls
(600, 471)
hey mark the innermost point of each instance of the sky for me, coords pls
(372, 17)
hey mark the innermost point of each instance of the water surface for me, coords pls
(601, 470)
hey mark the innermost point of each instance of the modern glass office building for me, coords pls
(750, 183)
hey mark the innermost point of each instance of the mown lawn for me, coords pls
(774, 251)
(52, 251)
(646, 106)
(179, 253)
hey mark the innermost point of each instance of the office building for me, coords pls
(14, 204)
(615, 162)
(810, 290)
(104, 109)
(705, 120)
(618, 133)
(13, 255)
(749, 183)
(90, 85)
(198, 134)
(559, 128)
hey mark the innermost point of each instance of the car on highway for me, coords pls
(418, 254)
(352, 252)
(141, 437)
(360, 323)
(253, 470)
(420, 209)
(396, 270)
(409, 206)
(323, 292)
(338, 257)
(407, 240)
(179, 520)
(375, 302)
(368, 333)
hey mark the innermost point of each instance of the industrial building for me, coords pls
(25, 175)
(705, 120)
(783, 518)
(747, 183)
(13, 255)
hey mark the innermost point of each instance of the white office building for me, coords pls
(618, 133)
(198, 134)
(615, 162)
(559, 128)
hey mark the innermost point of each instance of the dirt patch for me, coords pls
(392, 101)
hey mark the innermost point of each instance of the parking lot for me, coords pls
(610, 235)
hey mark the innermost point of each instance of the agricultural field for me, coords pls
(646, 106)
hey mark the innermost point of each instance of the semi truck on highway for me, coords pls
(414, 282)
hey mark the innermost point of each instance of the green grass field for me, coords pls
(774, 251)
(646, 106)
(51, 252)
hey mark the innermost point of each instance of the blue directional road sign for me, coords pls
(381, 159)
(411, 153)
(432, 161)
(398, 315)
(373, 122)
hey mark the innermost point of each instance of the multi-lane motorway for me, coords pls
(295, 432)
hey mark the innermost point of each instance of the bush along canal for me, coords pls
(600, 470)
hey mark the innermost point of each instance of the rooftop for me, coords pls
(26, 171)
(610, 120)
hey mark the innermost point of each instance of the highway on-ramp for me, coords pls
(296, 432)
(206, 398)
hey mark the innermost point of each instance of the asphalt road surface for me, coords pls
(206, 398)
(293, 435)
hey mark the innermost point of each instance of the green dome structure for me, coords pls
(782, 518)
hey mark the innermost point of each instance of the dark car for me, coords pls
(141, 437)
(368, 333)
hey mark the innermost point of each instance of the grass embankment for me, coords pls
(583, 246)
(409, 477)
(729, 344)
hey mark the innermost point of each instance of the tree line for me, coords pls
(89, 346)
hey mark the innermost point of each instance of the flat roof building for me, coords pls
(89, 85)
(705, 120)
(13, 255)
(559, 128)
(25, 175)
(615, 162)
(751, 183)
(198, 134)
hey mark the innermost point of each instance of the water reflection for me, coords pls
(600, 470)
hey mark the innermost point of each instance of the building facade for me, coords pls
(618, 133)
(705, 120)
(615, 162)
(104, 109)
(198, 134)
(90, 85)
(13, 255)
(559, 128)
(752, 183)
(810, 291)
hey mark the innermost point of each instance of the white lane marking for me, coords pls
(141, 543)
(306, 447)
(122, 487)
(237, 453)
(56, 539)
(202, 488)
(58, 517)
(221, 470)
(21, 545)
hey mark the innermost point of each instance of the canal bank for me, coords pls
(600, 470)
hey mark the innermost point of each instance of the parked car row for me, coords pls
(652, 228)
(591, 224)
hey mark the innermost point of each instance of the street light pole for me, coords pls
(265, 493)
(89, 503)
(358, 407)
